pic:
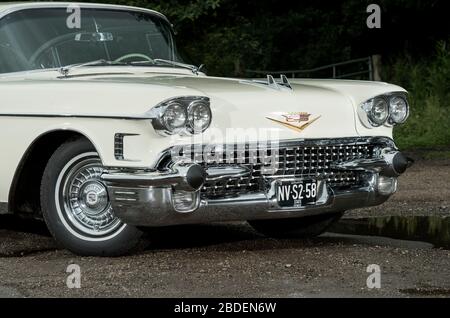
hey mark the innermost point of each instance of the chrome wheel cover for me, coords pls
(84, 201)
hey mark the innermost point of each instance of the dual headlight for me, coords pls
(183, 115)
(391, 109)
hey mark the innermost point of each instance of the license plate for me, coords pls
(297, 194)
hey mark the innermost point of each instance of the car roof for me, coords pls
(8, 7)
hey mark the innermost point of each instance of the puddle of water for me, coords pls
(432, 229)
(426, 291)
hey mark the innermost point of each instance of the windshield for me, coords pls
(49, 38)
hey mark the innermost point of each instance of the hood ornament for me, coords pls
(271, 82)
(284, 82)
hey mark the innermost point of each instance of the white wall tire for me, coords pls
(76, 207)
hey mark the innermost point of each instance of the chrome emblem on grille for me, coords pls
(297, 117)
(297, 121)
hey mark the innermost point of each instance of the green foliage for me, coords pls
(428, 83)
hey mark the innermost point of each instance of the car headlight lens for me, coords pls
(174, 117)
(398, 108)
(181, 115)
(199, 115)
(389, 109)
(378, 112)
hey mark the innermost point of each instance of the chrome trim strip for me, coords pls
(58, 69)
(180, 176)
(142, 117)
(64, 5)
(149, 115)
(320, 142)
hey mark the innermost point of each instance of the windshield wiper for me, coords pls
(65, 70)
(194, 69)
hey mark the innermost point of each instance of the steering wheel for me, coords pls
(49, 44)
(132, 55)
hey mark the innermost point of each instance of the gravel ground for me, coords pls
(231, 260)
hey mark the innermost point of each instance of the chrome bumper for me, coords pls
(153, 206)
(173, 196)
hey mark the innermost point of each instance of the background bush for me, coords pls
(428, 83)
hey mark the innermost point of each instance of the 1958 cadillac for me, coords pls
(106, 131)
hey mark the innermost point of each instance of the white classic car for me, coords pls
(106, 131)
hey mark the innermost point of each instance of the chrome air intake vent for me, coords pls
(118, 146)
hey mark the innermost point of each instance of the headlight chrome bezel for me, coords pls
(190, 120)
(177, 107)
(365, 108)
(157, 115)
(375, 102)
(396, 122)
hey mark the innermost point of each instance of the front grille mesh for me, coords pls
(118, 146)
(300, 160)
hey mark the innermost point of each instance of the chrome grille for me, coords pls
(300, 159)
(118, 146)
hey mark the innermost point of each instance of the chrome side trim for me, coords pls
(186, 177)
(137, 117)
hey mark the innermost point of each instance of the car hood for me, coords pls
(327, 106)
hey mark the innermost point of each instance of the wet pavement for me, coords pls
(408, 238)
(432, 229)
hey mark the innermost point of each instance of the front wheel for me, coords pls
(304, 227)
(76, 206)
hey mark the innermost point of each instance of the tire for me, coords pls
(304, 227)
(76, 206)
